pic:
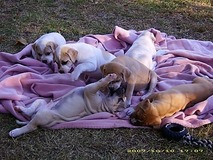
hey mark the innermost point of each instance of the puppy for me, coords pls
(78, 103)
(82, 58)
(163, 104)
(143, 49)
(44, 48)
(132, 74)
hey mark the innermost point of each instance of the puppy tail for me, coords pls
(21, 122)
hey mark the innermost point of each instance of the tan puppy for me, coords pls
(82, 58)
(80, 102)
(163, 104)
(143, 49)
(44, 48)
(132, 74)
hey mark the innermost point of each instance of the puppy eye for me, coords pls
(47, 53)
(64, 62)
(39, 54)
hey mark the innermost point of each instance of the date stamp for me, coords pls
(165, 150)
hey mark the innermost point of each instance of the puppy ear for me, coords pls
(52, 46)
(126, 73)
(146, 104)
(152, 37)
(102, 68)
(72, 53)
(34, 46)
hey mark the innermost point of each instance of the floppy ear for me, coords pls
(102, 68)
(51, 45)
(34, 46)
(126, 73)
(72, 53)
(152, 37)
(146, 104)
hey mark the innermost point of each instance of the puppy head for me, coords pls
(67, 59)
(145, 115)
(148, 34)
(117, 99)
(45, 52)
(122, 72)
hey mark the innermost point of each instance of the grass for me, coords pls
(74, 19)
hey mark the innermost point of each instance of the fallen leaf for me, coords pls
(21, 41)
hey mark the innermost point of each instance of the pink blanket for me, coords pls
(24, 79)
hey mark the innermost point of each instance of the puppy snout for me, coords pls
(44, 61)
(61, 71)
(111, 88)
(133, 121)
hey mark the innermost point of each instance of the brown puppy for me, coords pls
(131, 74)
(163, 104)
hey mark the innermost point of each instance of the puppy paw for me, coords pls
(129, 111)
(127, 104)
(14, 132)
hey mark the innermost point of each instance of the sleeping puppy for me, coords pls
(44, 48)
(78, 103)
(165, 103)
(79, 58)
(131, 74)
(143, 49)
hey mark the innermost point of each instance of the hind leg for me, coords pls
(43, 117)
(32, 109)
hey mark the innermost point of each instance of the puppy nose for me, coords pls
(61, 71)
(133, 121)
(44, 61)
(111, 88)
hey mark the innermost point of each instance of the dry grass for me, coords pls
(74, 19)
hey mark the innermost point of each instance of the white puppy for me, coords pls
(78, 103)
(82, 58)
(143, 49)
(44, 48)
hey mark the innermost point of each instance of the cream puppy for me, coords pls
(44, 48)
(82, 58)
(78, 103)
(143, 49)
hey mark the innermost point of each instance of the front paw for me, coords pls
(111, 77)
(127, 104)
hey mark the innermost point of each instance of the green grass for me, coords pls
(74, 19)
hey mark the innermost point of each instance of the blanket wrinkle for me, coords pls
(24, 79)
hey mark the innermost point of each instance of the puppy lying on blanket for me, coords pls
(143, 49)
(82, 58)
(79, 102)
(131, 74)
(166, 103)
(44, 48)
